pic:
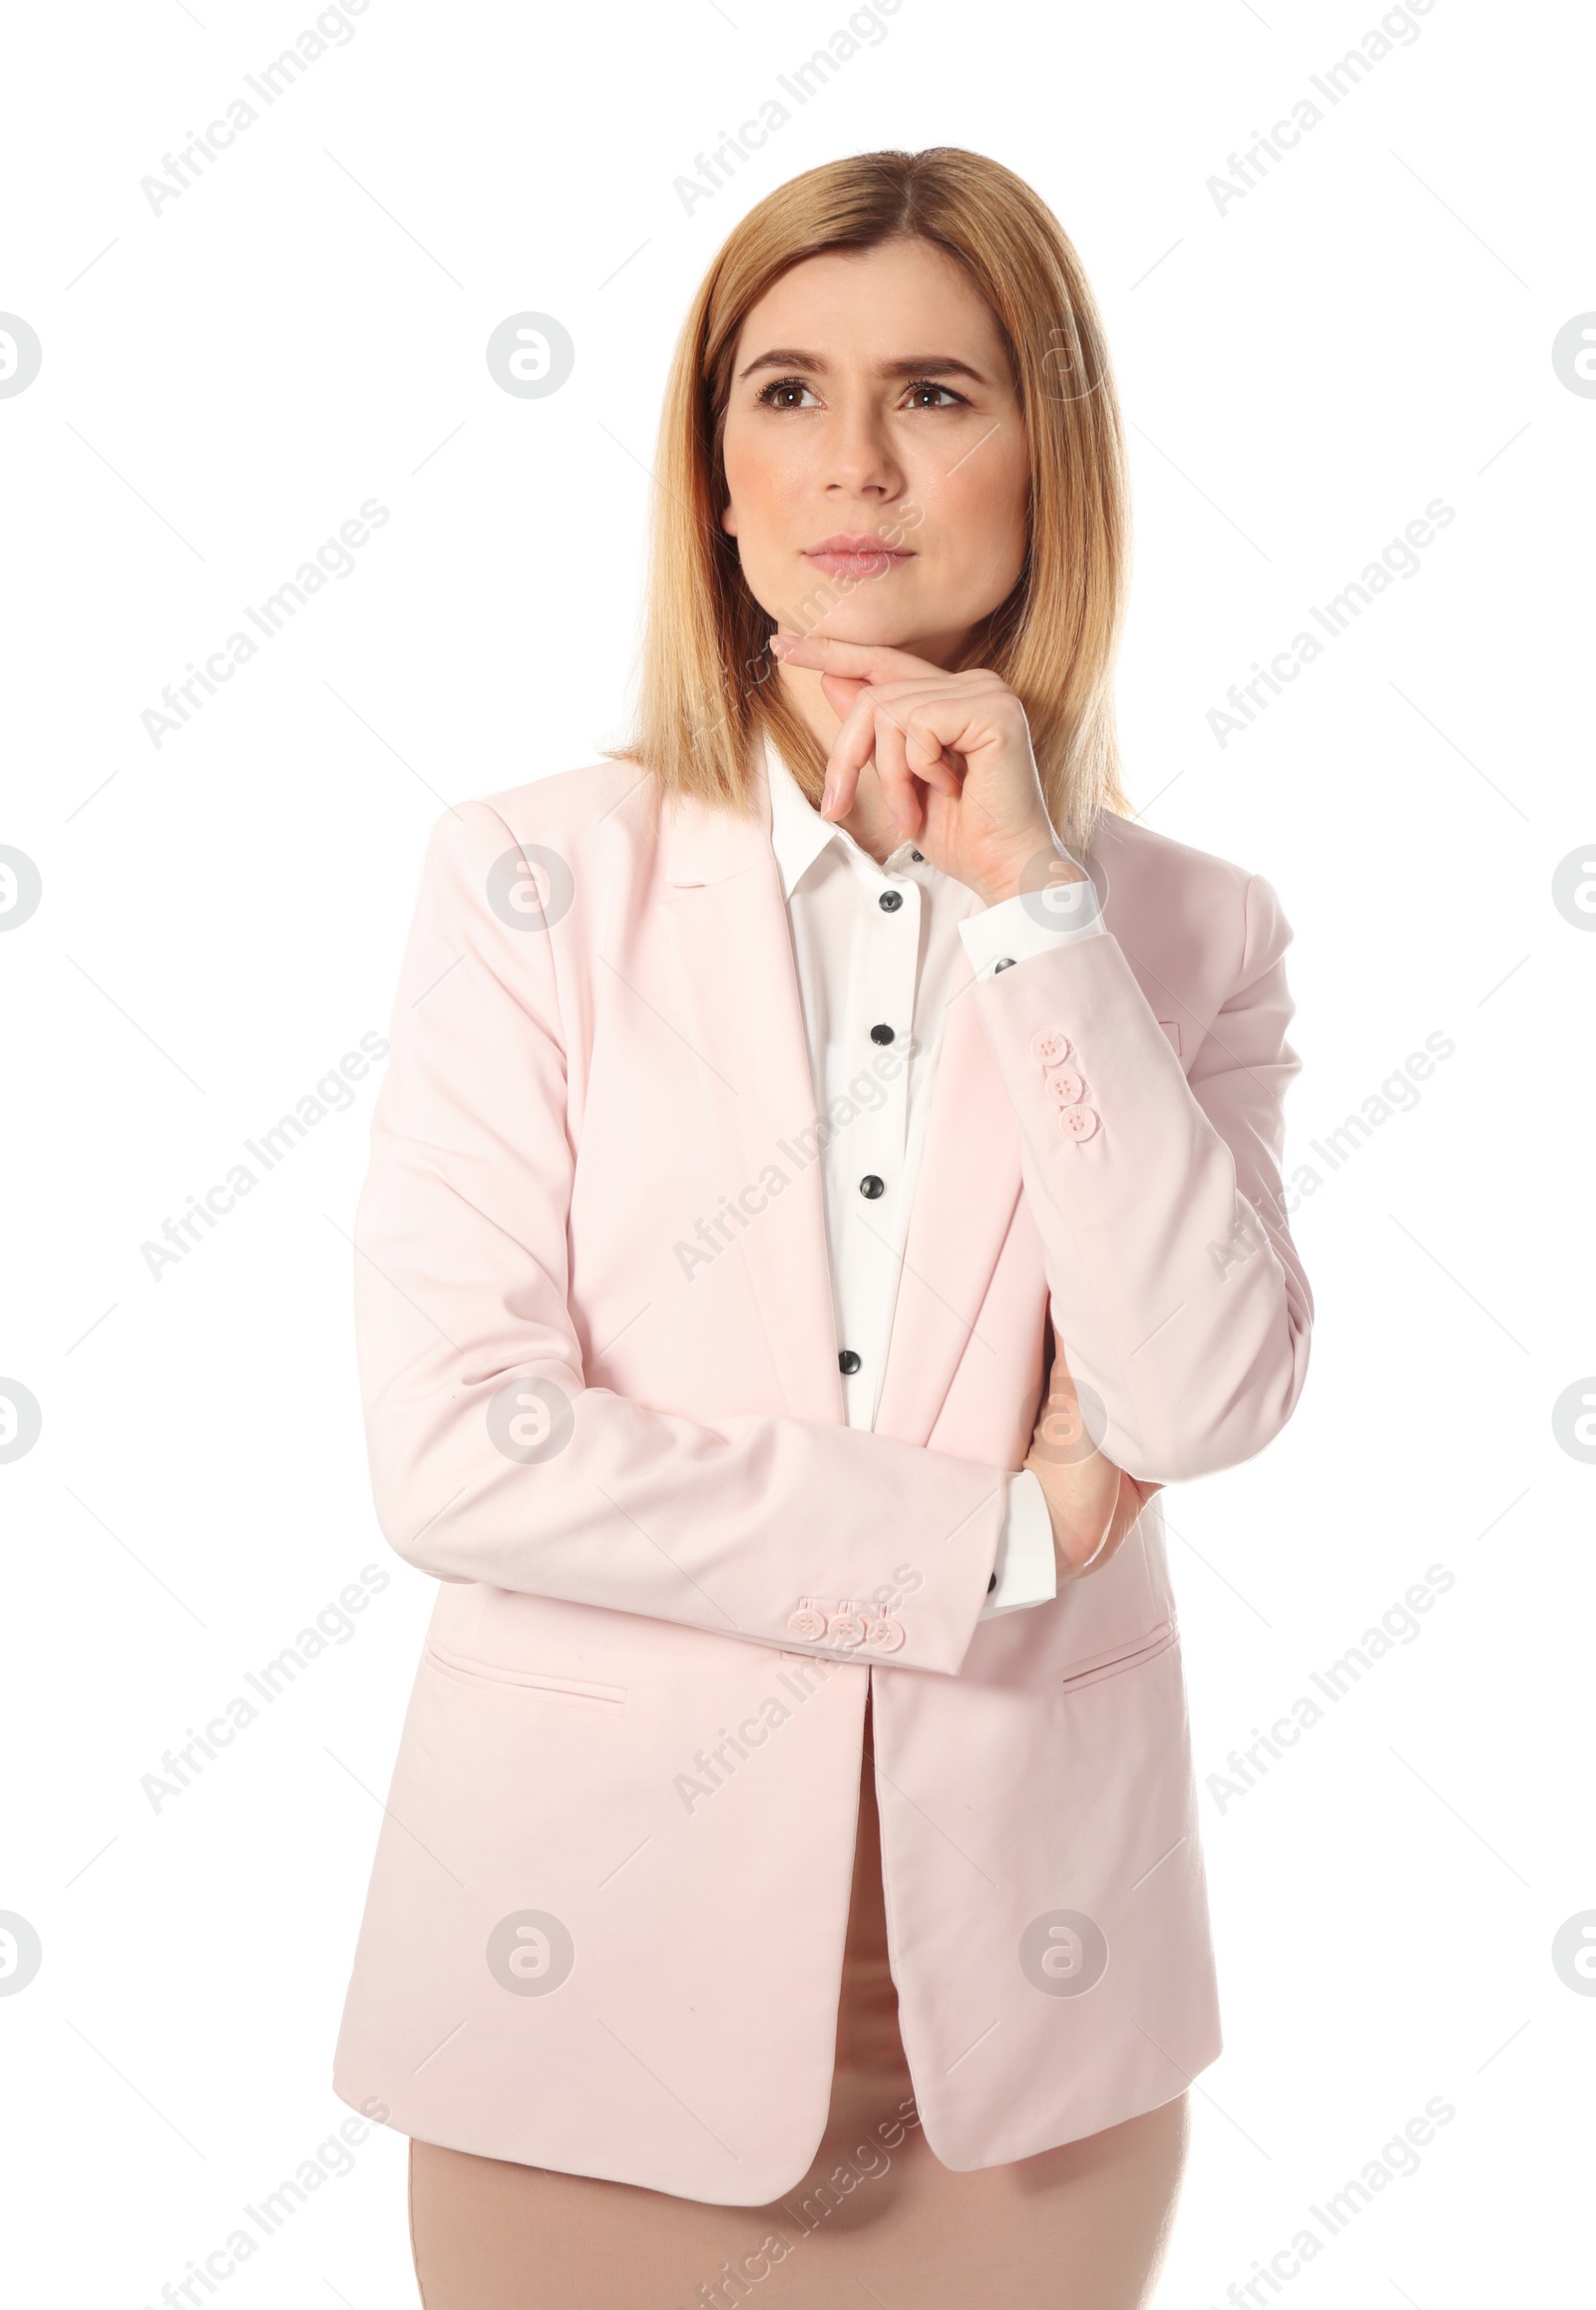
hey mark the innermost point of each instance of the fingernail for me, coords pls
(828, 796)
(779, 645)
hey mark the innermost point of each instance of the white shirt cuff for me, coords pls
(1027, 1569)
(1032, 922)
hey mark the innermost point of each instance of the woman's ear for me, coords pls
(728, 521)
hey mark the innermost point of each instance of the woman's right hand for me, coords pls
(1093, 1503)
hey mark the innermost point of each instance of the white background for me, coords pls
(222, 384)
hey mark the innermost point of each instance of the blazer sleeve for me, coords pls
(1175, 1285)
(491, 1458)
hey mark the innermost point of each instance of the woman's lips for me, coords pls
(857, 556)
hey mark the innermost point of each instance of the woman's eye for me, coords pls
(787, 393)
(793, 393)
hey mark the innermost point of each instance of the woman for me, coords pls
(790, 1884)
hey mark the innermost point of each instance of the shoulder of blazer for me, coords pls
(571, 809)
(617, 817)
(1191, 918)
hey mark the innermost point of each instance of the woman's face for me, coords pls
(875, 452)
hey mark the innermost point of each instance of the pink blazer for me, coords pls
(599, 1363)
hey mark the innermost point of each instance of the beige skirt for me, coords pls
(876, 2217)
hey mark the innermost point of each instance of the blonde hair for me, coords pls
(705, 689)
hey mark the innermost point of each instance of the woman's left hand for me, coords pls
(953, 756)
(1092, 1504)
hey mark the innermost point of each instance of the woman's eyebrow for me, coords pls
(909, 365)
(930, 365)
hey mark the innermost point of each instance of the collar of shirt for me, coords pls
(798, 834)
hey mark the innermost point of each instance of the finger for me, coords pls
(898, 787)
(842, 693)
(1114, 1531)
(915, 682)
(927, 758)
(851, 749)
(1133, 1500)
(1082, 1499)
(869, 662)
(923, 751)
(867, 719)
(1063, 1423)
(939, 723)
(934, 766)
(1083, 1553)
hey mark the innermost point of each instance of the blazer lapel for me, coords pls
(723, 899)
(729, 922)
(965, 1197)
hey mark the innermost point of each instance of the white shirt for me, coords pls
(864, 965)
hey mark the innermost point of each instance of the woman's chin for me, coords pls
(881, 626)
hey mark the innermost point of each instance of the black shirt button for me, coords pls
(889, 902)
(918, 855)
(872, 1186)
(881, 1034)
(1003, 962)
(848, 1361)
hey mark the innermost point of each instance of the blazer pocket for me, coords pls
(567, 1691)
(1114, 1664)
